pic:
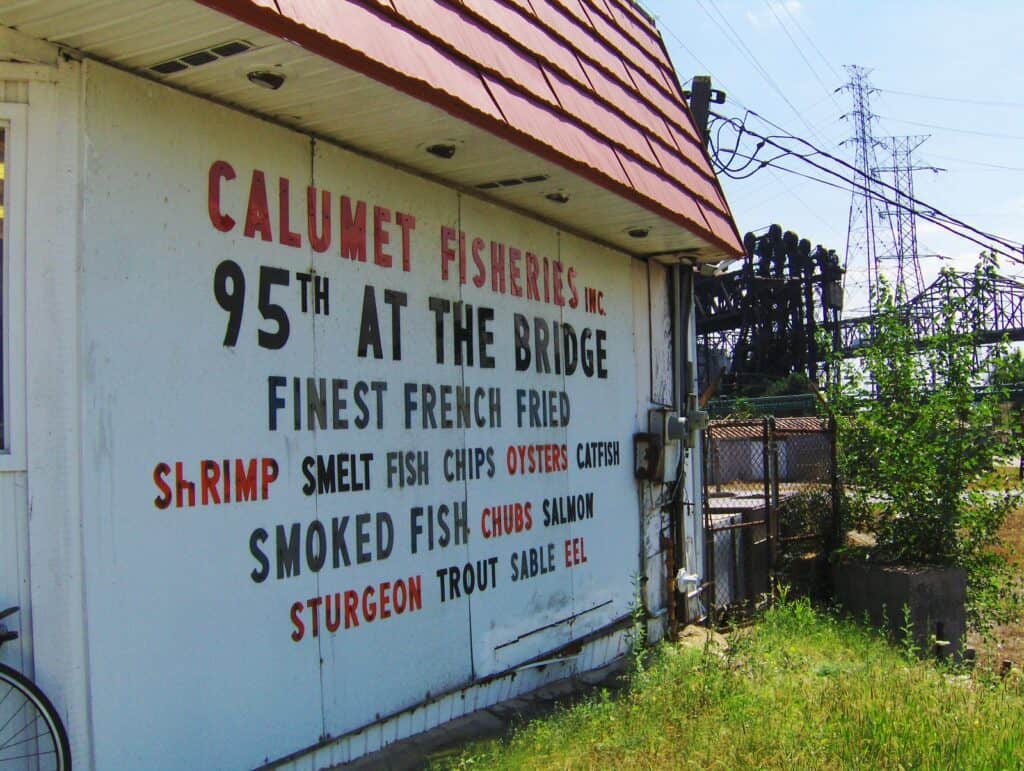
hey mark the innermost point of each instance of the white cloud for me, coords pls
(774, 13)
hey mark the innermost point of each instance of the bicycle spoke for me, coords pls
(8, 743)
(13, 715)
(41, 735)
(29, 727)
(33, 755)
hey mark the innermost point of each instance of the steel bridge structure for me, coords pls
(994, 312)
(762, 322)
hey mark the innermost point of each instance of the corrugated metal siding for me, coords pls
(14, 91)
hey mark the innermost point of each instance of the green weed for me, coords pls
(800, 689)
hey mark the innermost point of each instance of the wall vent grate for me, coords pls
(512, 182)
(199, 58)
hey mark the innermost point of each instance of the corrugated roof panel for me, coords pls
(368, 32)
(556, 131)
(732, 431)
(632, 22)
(564, 23)
(627, 101)
(612, 90)
(691, 147)
(576, 8)
(801, 425)
(478, 43)
(657, 188)
(736, 430)
(676, 113)
(606, 122)
(721, 226)
(628, 49)
(676, 168)
(582, 83)
(529, 34)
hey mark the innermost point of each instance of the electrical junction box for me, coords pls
(648, 457)
(657, 451)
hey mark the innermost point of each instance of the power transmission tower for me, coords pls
(900, 213)
(861, 237)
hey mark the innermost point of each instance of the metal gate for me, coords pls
(770, 506)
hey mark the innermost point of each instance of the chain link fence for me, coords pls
(771, 507)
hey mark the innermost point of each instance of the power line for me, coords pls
(997, 166)
(809, 39)
(730, 33)
(957, 99)
(737, 42)
(792, 191)
(662, 25)
(929, 213)
(796, 47)
(955, 130)
(868, 177)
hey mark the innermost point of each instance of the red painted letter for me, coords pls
(407, 223)
(381, 237)
(353, 230)
(268, 472)
(300, 628)
(219, 170)
(447, 251)
(163, 500)
(284, 215)
(257, 217)
(321, 242)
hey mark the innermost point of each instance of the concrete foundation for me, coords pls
(935, 596)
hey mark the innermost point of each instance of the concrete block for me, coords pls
(935, 596)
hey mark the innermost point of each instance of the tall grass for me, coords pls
(798, 690)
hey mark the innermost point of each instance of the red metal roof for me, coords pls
(734, 430)
(584, 83)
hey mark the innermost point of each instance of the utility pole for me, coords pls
(688, 552)
(701, 96)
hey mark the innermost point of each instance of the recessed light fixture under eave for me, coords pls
(443, 148)
(270, 79)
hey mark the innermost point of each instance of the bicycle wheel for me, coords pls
(32, 736)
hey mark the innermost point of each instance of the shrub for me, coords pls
(916, 432)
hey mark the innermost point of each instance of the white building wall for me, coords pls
(138, 616)
(39, 472)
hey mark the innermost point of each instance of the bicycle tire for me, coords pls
(31, 732)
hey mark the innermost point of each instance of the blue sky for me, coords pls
(952, 61)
